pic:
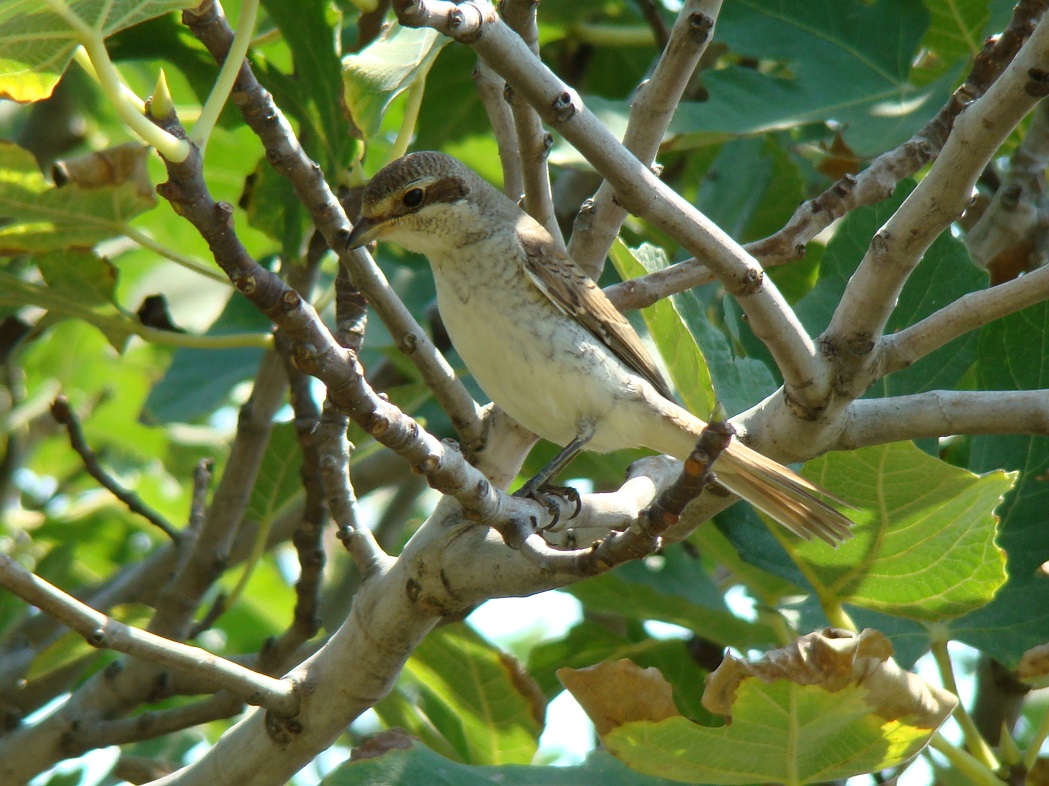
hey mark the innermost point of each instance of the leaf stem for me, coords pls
(974, 741)
(189, 263)
(1035, 745)
(967, 764)
(411, 108)
(176, 150)
(209, 115)
(231, 341)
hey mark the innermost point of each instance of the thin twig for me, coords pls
(105, 633)
(491, 90)
(651, 111)
(288, 158)
(533, 141)
(63, 413)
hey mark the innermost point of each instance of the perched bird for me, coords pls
(545, 343)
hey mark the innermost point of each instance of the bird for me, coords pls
(545, 343)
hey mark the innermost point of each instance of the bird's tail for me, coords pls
(781, 494)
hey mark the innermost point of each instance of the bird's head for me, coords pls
(425, 202)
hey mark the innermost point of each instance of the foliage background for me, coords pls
(791, 96)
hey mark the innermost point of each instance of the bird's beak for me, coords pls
(364, 232)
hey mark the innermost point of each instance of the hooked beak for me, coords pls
(364, 232)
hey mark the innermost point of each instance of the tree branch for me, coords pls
(63, 413)
(651, 111)
(878, 181)
(935, 203)
(636, 187)
(941, 413)
(100, 631)
(533, 141)
(967, 313)
(288, 158)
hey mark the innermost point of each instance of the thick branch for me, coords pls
(965, 314)
(941, 413)
(651, 111)
(938, 200)
(636, 187)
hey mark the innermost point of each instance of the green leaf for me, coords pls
(944, 275)
(1014, 355)
(79, 285)
(475, 698)
(408, 763)
(687, 367)
(780, 733)
(314, 94)
(844, 60)
(736, 184)
(278, 479)
(377, 74)
(199, 380)
(37, 43)
(955, 33)
(273, 208)
(924, 546)
(739, 382)
(672, 589)
(36, 216)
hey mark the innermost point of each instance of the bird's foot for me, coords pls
(553, 498)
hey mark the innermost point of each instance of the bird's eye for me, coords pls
(413, 197)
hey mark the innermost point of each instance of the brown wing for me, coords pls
(575, 293)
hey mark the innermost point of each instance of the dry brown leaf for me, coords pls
(1034, 666)
(617, 692)
(835, 659)
(378, 744)
(113, 166)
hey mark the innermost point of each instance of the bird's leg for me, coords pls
(538, 486)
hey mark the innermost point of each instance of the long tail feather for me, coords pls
(781, 494)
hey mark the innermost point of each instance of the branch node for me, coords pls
(699, 27)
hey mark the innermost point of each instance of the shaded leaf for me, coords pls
(199, 380)
(78, 285)
(1014, 355)
(377, 74)
(671, 589)
(481, 704)
(36, 216)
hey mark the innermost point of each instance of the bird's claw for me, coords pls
(548, 497)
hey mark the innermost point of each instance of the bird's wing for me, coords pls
(573, 292)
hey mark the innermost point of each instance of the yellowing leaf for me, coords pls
(830, 706)
(676, 345)
(924, 545)
(37, 43)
